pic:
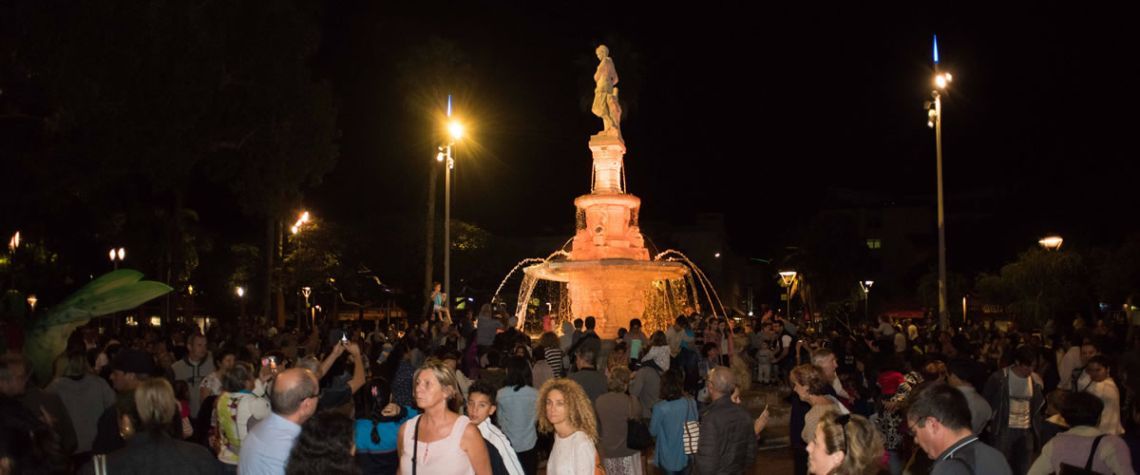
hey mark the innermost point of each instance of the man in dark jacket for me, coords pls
(1017, 397)
(727, 445)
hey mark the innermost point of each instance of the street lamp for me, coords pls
(301, 221)
(866, 286)
(455, 131)
(1051, 243)
(117, 256)
(32, 302)
(788, 276)
(14, 243)
(934, 120)
(240, 291)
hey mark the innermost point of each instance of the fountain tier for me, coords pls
(613, 291)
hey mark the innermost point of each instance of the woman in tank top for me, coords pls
(440, 441)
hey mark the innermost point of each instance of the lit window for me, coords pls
(874, 243)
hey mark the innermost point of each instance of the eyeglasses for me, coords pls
(843, 420)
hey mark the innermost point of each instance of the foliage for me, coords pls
(1039, 285)
(122, 289)
(957, 285)
(832, 257)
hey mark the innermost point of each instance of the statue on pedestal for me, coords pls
(606, 103)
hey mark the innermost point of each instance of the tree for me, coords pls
(275, 129)
(1039, 285)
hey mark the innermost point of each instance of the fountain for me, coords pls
(608, 272)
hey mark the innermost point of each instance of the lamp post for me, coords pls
(446, 154)
(240, 291)
(1048, 243)
(934, 120)
(32, 303)
(789, 277)
(1051, 243)
(306, 292)
(117, 256)
(866, 286)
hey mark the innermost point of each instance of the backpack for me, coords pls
(1067, 469)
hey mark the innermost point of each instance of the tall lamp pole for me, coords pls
(789, 277)
(934, 120)
(455, 130)
(866, 286)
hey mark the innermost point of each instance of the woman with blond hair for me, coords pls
(844, 444)
(440, 441)
(564, 409)
(150, 447)
(811, 385)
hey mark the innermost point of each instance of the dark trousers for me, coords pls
(1017, 445)
(529, 461)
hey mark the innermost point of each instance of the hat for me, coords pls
(130, 360)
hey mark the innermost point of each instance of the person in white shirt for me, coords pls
(1068, 360)
(1104, 388)
(566, 411)
(961, 374)
(1080, 377)
(480, 407)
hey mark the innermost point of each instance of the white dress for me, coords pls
(574, 455)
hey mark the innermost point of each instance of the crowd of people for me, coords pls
(475, 394)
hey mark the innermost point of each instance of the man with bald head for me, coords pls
(727, 444)
(294, 399)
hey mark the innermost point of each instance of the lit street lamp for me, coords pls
(1051, 243)
(866, 286)
(117, 256)
(789, 277)
(934, 120)
(240, 291)
(301, 221)
(32, 302)
(14, 243)
(455, 131)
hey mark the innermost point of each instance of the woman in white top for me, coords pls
(564, 408)
(1103, 387)
(440, 441)
(810, 384)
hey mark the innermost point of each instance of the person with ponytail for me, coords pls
(378, 421)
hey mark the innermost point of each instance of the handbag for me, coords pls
(1067, 469)
(637, 434)
(692, 433)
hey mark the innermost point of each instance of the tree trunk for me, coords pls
(270, 251)
(279, 282)
(429, 240)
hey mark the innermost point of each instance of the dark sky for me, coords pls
(759, 112)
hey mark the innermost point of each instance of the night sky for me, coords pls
(757, 112)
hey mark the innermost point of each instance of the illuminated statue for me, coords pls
(606, 94)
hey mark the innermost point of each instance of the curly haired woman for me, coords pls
(564, 408)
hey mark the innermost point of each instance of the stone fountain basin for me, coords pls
(608, 270)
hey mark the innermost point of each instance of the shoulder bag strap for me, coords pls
(416, 443)
(1092, 453)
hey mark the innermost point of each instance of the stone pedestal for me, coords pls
(607, 217)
